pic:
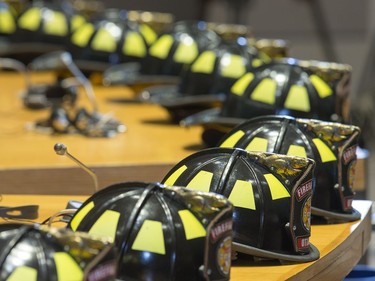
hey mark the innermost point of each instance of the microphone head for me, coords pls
(60, 148)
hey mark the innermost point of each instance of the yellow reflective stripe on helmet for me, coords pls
(232, 66)
(66, 267)
(265, 92)
(277, 189)
(192, 226)
(79, 216)
(205, 63)
(241, 84)
(323, 89)
(298, 99)
(82, 35)
(201, 181)
(7, 23)
(160, 49)
(104, 41)
(76, 21)
(30, 20)
(233, 139)
(258, 144)
(23, 273)
(297, 150)
(186, 51)
(326, 154)
(242, 195)
(56, 24)
(150, 238)
(134, 45)
(256, 63)
(176, 174)
(106, 225)
(148, 33)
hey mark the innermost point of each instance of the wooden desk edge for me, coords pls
(336, 264)
(74, 180)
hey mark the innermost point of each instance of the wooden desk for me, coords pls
(146, 152)
(29, 165)
(341, 245)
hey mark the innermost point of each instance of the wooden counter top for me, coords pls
(146, 152)
(29, 165)
(341, 245)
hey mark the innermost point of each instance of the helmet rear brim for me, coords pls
(329, 215)
(313, 254)
(211, 116)
(130, 74)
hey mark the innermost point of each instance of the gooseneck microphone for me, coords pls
(61, 149)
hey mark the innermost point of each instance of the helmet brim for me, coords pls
(313, 254)
(26, 52)
(197, 100)
(154, 94)
(170, 97)
(130, 74)
(211, 116)
(329, 215)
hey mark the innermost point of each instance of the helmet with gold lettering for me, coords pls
(168, 55)
(162, 233)
(303, 89)
(332, 145)
(207, 81)
(271, 195)
(36, 253)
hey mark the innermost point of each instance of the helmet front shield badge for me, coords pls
(271, 194)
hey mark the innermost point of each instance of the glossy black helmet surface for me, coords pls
(303, 89)
(167, 56)
(41, 27)
(163, 233)
(38, 253)
(332, 145)
(271, 195)
(108, 39)
(207, 81)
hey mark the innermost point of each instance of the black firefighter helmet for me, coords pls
(207, 81)
(271, 195)
(167, 57)
(41, 27)
(162, 233)
(109, 38)
(287, 86)
(332, 145)
(39, 253)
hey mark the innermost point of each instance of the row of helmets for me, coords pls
(255, 193)
(216, 207)
(96, 36)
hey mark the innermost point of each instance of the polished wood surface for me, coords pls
(146, 152)
(29, 165)
(341, 245)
